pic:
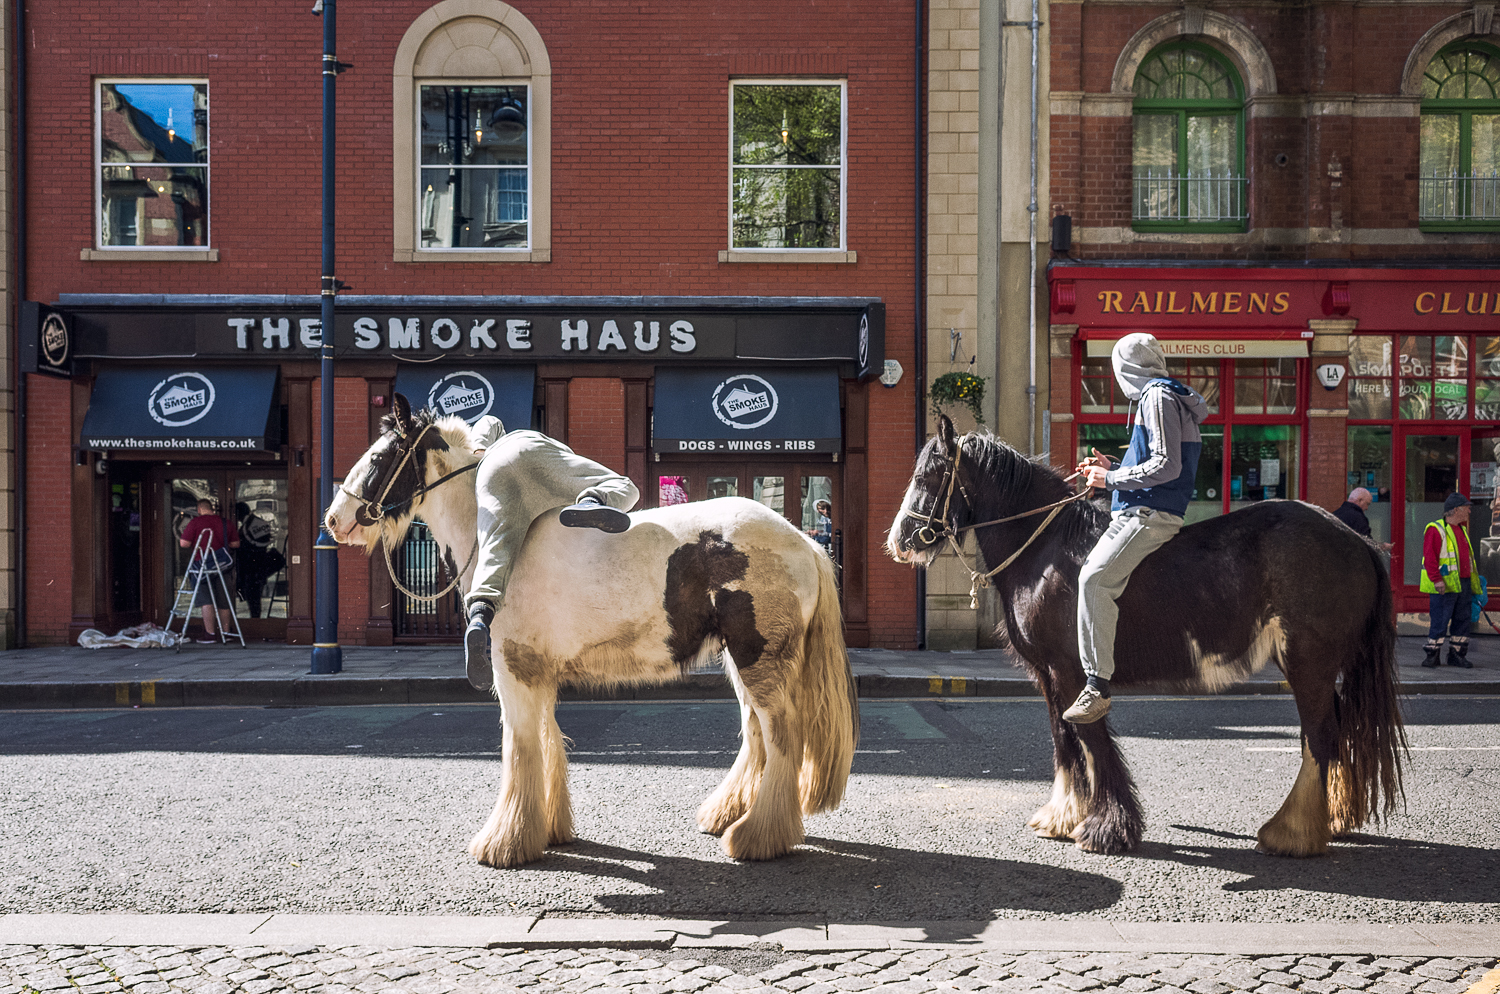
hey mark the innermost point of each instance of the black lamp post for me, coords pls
(327, 656)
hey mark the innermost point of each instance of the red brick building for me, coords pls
(1300, 201)
(573, 216)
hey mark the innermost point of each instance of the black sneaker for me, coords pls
(589, 513)
(477, 647)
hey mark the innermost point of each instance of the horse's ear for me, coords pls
(402, 411)
(945, 432)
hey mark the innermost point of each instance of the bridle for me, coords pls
(938, 525)
(378, 509)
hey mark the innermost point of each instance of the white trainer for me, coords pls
(1089, 708)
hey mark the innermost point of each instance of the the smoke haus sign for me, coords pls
(845, 331)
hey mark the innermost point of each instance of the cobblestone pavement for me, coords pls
(364, 970)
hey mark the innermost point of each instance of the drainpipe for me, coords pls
(327, 656)
(920, 286)
(1033, 25)
(20, 295)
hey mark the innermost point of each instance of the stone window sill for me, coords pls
(475, 255)
(149, 255)
(798, 256)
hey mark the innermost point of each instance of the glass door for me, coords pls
(1430, 472)
(1484, 519)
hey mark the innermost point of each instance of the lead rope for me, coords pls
(424, 598)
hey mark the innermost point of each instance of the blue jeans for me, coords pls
(1452, 614)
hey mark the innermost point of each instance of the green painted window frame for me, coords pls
(1183, 109)
(1464, 109)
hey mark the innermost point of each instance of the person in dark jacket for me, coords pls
(1352, 511)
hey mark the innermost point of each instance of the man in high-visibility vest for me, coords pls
(1450, 580)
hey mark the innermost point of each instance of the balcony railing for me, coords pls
(1459, 198)
(1208, 199)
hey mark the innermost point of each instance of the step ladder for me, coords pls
(203, 568)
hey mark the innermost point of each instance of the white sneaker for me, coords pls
(1089, 708)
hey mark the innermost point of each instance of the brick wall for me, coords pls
(639, 181)
(596, 420)
(49, 482)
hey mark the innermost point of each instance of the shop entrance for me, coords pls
(161, 501)
(791, 489)
(1433, 463)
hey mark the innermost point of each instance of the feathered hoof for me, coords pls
(715, 817)
(504, 853)
(747, 842)
(1281, 839)
(1048, 824)
(1103, 838)
(562, 839)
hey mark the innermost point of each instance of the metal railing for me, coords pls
(1168, 196)
(1459, 198)
(423, 572)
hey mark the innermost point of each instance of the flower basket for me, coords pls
(958, 388)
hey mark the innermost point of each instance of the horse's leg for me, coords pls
(518, 827)
(1114, 823)
(555, 762)
(733, 798)
(1301, 827)
(1065, 811)
(773, 825)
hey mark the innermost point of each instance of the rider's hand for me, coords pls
(1094, 476)
(1097, 460)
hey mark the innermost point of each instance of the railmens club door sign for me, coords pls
(766, 411)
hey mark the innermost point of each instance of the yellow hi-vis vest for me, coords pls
(1448, 557)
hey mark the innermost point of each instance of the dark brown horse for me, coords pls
(1280, 581)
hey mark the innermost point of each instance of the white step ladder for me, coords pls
(204, 567)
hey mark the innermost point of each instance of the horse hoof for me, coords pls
(1272, 842)
(502, 856)
(744, 844)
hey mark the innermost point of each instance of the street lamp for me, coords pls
(327, 656)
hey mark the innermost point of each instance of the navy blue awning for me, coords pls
(471, 392)
(177, 409)
(775, 411)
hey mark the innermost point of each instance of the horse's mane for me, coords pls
(1035, 483)
(457, 446)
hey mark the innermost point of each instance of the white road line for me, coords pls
(1412, 749)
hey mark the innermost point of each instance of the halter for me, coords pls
(929, 535)
(376, 510)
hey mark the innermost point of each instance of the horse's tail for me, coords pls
(1364, 779)
(829, 702)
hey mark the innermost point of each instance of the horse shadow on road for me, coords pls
(1359, 865)
(836, 880)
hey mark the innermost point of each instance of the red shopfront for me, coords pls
(1318, 380)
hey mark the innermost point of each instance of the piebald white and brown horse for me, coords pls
(645, 606)
(1279, 582)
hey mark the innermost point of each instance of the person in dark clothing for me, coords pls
(1352, 511)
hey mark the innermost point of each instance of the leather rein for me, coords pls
(936, 525)
(377, 509)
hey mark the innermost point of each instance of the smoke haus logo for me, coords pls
(55, 341)
(181, 399)
(465, 394)
(745, 401)
(864, 340)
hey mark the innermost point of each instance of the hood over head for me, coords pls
(1138, 360)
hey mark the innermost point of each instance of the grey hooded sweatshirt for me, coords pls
(1161, 462)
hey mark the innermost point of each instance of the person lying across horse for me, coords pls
(523, 475)
(1152, 486)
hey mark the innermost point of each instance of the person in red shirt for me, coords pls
(1450, 581)
(222, 535)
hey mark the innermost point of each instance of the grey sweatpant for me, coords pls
(1132, 535)
(523, 475)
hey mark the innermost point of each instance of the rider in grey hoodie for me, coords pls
(1152, 487)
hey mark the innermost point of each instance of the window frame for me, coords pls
(1183, 109)
(517, 251)
(1464, 109)
(144, 253)
(1395, 380)
(839, 253)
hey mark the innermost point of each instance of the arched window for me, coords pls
(1459, 175)
(473, 149)
(1188, 154)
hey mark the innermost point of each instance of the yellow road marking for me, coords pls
(934, 685)
(148, 692)
(122, 693)
(959, 684)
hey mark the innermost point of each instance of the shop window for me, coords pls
(151, 164)
(1459, 170)
(474, 188)
(1370, 369)
(1262, 463)
(787, 165)
(1487, 377)
(1100, 393)
(1434, 377)
(472, 136)
(1369, 462)
(1265, 386)
(1188, 144)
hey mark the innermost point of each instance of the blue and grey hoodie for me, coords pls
(1161, 462)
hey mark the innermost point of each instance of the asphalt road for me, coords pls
(369, 809)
